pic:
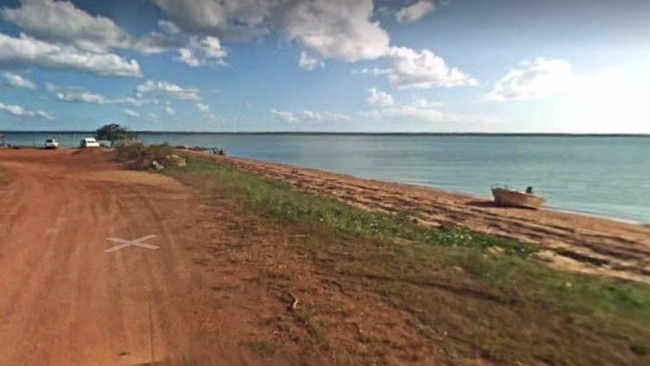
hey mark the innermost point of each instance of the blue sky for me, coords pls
(578, 66)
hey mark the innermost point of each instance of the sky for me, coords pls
(580, 66)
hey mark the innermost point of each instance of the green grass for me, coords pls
(506, 308)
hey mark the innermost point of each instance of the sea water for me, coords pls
(598, 175)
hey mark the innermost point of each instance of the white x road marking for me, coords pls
(128, 243)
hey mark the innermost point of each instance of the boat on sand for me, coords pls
(513, 198)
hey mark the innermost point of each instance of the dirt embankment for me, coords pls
(569, 241)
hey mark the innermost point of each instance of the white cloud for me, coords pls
(374, 71)
(168, 89)
(194, 14)
(310, 116)
(543, 78)
(207, 115)
(62, 22)
(203, 108)
(424, 69)
(26, 52)
(170, 111)
(128, 101)
(206, 51)
(601, 101)
(155, 42)
(420, 110)
(169, 27)
(131, 113)
(79, 95)
(308, 62)
(330, 29)
(18, 81)
(380, 98)
(336, 29)
(209, 16)
(82, 96)
(21, 112)
(415, 12)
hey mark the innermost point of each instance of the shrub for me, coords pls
(138, 155)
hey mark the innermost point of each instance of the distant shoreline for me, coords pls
(324, 133)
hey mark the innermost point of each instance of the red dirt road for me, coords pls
(64, 301)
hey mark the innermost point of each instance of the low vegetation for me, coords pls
(138, 150)
(473, 295)
(138, 155)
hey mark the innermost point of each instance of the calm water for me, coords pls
(606, 176)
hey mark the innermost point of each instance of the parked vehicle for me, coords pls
(51, 144)
(89, 142)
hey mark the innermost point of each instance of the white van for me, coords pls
(51, 144)
(89, 142)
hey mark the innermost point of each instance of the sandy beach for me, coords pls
(570, 241)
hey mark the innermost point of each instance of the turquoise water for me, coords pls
(605, 176)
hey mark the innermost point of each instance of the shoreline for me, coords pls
(619, 205)
(597, 216)
(353, 133)
(571, 241)
(465, 195)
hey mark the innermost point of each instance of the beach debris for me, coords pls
(209, 150)
(156, 165)
(294, 302)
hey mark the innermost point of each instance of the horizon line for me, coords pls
(605, 134)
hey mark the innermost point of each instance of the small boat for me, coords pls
(513, 198)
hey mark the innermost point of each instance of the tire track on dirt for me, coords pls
(63, 300)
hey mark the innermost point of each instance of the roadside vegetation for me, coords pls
(473, 295)
(139, 156)
(126, 151)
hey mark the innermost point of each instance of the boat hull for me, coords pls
(510, 198)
